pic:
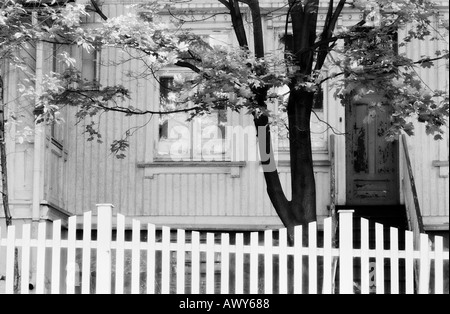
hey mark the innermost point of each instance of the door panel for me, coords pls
(371, 161)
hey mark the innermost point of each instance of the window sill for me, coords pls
(177, 167)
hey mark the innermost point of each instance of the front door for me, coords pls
(371, 161)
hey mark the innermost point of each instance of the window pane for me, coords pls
(174, 130)
(213, 134)
(89, 65)
(202, 139)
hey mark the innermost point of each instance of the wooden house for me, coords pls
(56, 172)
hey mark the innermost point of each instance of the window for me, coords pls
(57, 129)
(201, 139)
(89, 65)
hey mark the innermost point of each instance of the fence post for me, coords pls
(346, 251)
(104, 227)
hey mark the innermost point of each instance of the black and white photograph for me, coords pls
(221, 152)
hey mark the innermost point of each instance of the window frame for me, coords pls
(195, 133)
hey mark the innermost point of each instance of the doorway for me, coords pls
(372, 173)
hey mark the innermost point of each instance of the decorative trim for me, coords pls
(198, 164)
(436, 223)
(443, 167)
(174, 167)
(438, 163)
(316, 163)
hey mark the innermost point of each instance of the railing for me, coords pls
(410, 192)
(178, 261)
(412, 205)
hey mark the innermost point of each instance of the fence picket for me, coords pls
(120, 254)
(409, 262)
(424, 269)
(195, 263)
(379, 258)
(365, 266)
(254, 263)
(181, 240)
(104, 229)
(210, 263)
(25, 263)
(165, 261)
(10, 248)
(327, 256)
(268, 262)
(245, 255)
(438, 265)
(283, 261)
(225, 263)
(346, 251)
(298, 259)
(56, 257)
(40, 259)
(239, 264)
(72, 266)
(312, 257)
(135, 257)
(394, 261)
(151, 240)
(86, 262)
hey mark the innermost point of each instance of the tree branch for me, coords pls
(128, 110)
(98, 10)
(330, 25)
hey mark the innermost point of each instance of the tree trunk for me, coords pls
(4, 172)
(303, 204)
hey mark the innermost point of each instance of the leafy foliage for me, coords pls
(369, 64)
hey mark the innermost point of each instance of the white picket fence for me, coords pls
(169, 261)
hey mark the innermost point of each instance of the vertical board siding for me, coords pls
(95, 176)
(432, 188)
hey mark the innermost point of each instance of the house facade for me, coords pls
(56, 172)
